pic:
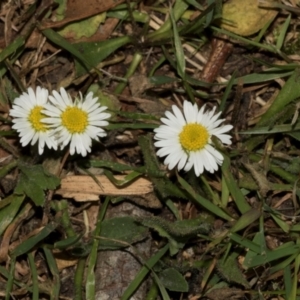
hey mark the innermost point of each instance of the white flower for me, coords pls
(185, 138)
(28, 116)
(77, 122)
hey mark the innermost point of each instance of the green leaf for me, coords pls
(250, 254)
(97, 52)
(33, 181)
(120, 232)
(68, 242)
(166, 188)
(160, 80)
(162, 184)
(178, 232)
(173, 280)
(248, 218)
(230, 271)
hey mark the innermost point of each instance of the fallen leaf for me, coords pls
(84, 188)
(83, 28)
(76, 10)
(245, 17)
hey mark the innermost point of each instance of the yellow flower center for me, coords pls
(193, 137)
(35, 118)
(74, 119)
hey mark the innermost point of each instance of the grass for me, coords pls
(233, 233)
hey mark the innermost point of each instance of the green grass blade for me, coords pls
(283, 128)
(227, 91)
(93, 256)
(127, 179)
(287, 277)
(10, 280)
(180, 7)
(116, 126)
(34, 277)
(150, 263)
(12, 48)
(204, 202)
(225, 193)
(161, 287)
(289, 92)
(238, 197)
(268, 47)
(245, 242)
(34, 240)
(180, 60)
(51, 262)
(283, 32)
(293, 294)
(262, 77)
(250, 254)
(79, 279)
(61, 42)
(137, 58)
(273, 255)
(9, 210)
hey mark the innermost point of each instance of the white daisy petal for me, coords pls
(76, 122)
(172, 121)
(215, 124)
(182, 161)
(225, 139)
(52, 109)
(200, 114)
(17, 113)
(221, 130)
(198, 160)
(178, 115)
(27, 112)
(188, 166)
(26, 138)
(190, 113)
(35, 138)
(216, 154)
(209, 161)
(163, 152)
(185, 139)
(65, 96)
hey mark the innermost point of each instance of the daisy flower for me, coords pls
(28, 119)
(76, 122)
(185, 138)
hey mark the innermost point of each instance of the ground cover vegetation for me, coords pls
(149, 149)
